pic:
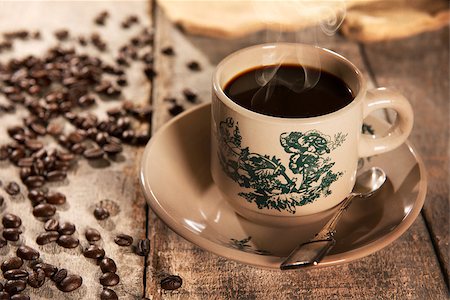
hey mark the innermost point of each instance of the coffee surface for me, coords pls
(289, 91)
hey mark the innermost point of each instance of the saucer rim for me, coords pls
(275, 261)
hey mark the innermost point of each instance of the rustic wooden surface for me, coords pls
(413, 267)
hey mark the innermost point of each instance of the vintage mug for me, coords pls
(277, 170)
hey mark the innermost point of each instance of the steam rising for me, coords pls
(325, 16)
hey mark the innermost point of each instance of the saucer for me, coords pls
(175, 177)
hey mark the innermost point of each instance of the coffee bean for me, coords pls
(123, 240)
(34, 145)
(168, 51)
(38, 128)
(3, 242)
(51, 225)
(94, 251)
(36, 278)
(20, 297)
(143, 247)
(101, 213)
(109, 279)
(176, 109)
(108, 265)
(150, 72)
(59, 276)
(15, 274)
(171, 282)
(36, 196)
(189, 95)
(112, 148)
(12, 188)
(55, 129)
(11, 234)
(49, 270)
(68, 241)
(27, 253)
(108, 294)
(11, 264)
(11, 221)
(70, 283)
(34, 181)
(25, 162)
(93, 153)
(47, 237)
(92, 235)
(56, 198)
(15, 286)
(56, 175)
(194, 66)
(101, 18)
(4, 296)
(44, 210)
(62, 34)
(66, 228)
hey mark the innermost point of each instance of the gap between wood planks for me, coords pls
(389, 118)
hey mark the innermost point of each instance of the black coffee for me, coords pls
(289, 91)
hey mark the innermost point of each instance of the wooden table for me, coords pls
(416, 266)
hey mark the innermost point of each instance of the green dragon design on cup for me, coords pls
(270, 184)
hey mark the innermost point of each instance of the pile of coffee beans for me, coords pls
(11, 229)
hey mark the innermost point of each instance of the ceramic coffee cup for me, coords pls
(276, 170)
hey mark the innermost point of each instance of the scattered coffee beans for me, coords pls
(101, 213)
(66, 228)
(123, 240)
(109, 279)
(11, 263)
(108, 265)
(37, 278)
(70, 283)
(27, 253)
(92, 235)
(11, 221)
(108, 294)
(94, 251)
(171, 282)
(143, 247)
(51, 225)
(68, 241)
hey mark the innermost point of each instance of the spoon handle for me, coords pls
(312, 252)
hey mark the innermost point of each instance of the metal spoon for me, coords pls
(312, 252)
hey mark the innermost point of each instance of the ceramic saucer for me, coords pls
(176, 181)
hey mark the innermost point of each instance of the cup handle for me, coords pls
(398, 133)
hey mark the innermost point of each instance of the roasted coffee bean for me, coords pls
(109, 279)
(56, 198)
(15, 274)
(34, 145)
(108, 294)
(38, 128)
(27, 253)
(12, 234)
(194, 66)
(12, 188)
(189, 95)
(34, 181)
(70, 283)
(11, 221)
(36, 196)
(55, 129)
(3, 242)
(101, 213)
(44, 210)
(94, 251)
(49, 270)
(25, 162)
(92, 235)
(101, 18)
(112, 148)
(25, 172)
(51, 225)
(17, 155)
(66, 228)
(56, 175)
(108, 265)
(171, 282)
(168, 51)
(62, 34)
(150, 72)
(59, 276)
(4, 295)
(11, 264)
(15, 286)
(123, 240)
(93, 153)
(76, 137)
(36, 278)
(68, 241)
(47, 237)
(20, 297)
(143, 247)
(176, 109)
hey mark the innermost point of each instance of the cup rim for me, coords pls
(309, 120)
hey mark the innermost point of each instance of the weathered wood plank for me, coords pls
(89, 182)
(395, 272)
(418, 67)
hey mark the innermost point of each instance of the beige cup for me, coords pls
(275, 170)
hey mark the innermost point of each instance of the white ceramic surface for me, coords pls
(176, 180)
(274, 170)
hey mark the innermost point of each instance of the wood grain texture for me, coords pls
(419, 68)
(89, 182)
(407, 269)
